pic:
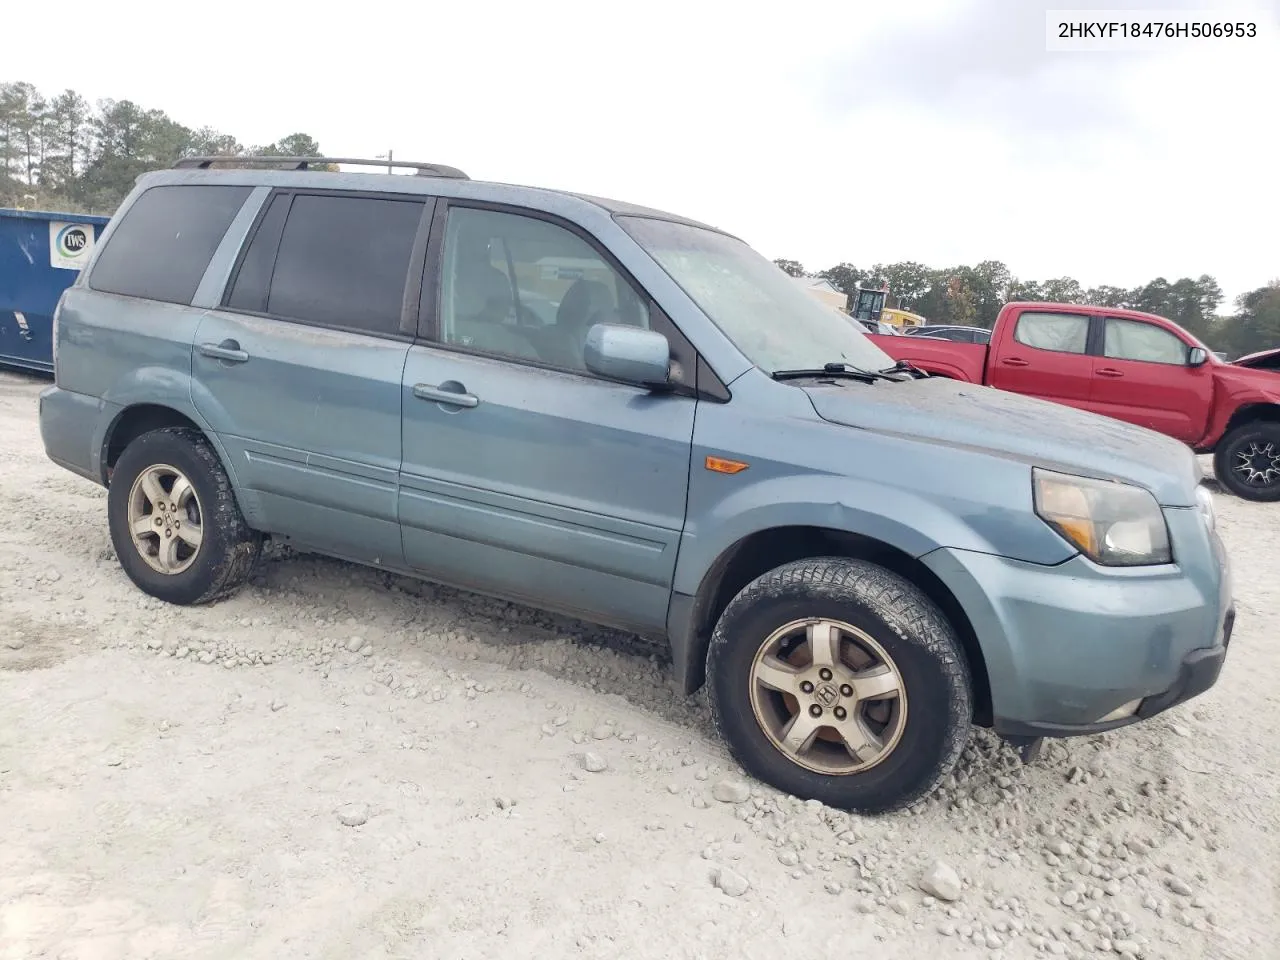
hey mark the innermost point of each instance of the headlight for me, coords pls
(1204, 503)
(1114, 524)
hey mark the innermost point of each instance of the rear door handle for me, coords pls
(426, 391)
(1111, 372)
(228, 350)
(1015, 362)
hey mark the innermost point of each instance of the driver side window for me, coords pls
(523, 288)
(1135, 340)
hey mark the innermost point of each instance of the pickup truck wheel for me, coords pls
(1247, 461)
(174, 520)
(837, 680)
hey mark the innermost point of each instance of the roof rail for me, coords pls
(304, 163)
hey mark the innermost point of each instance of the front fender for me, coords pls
(939, 369)
(1239, 394)
(903, 519)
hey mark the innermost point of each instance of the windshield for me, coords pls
(769, 317)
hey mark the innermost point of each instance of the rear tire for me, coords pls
(892, 703)
(175, 524)
(1247, 461)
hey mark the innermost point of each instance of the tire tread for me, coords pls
(903, 606)
(243, 545)
(1256, 429)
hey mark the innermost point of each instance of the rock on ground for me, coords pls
(942, 881)
(731, 791)
(731, 882)
(353, 814)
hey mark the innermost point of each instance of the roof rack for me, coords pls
(305, 163)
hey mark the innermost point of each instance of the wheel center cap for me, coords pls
(826, 694)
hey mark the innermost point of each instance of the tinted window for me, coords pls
(343, 262)
(1061, 332)
(254, 275)
(163, 244)
(1135, 340)
(525, 288)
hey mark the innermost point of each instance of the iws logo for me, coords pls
(72, 241)
(70, 244)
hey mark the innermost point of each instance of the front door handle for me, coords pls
(1111, 372)
(456, 398)
(228, 350)
(1015, 362)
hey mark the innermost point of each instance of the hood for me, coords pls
(1035, 432)
(1262, 360)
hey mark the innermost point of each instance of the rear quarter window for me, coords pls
(162, 246)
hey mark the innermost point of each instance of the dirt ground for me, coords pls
(340, 764)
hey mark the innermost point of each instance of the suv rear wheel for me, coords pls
(837, 680)
(1247, 461)
(174, 520)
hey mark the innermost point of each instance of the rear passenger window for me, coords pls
(162, 246)
(342, 262)
(1060, 332)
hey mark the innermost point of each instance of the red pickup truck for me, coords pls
(1132, 366)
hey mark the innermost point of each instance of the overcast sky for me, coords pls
(939, 131)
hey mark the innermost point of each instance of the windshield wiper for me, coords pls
(904, 366)
(837, 369)
(831, 370)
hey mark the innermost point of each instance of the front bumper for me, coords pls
(1198, 672)
(1079, 649)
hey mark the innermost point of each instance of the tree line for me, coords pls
(973, 296)
(61, 152)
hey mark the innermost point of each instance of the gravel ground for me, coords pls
(336, 763)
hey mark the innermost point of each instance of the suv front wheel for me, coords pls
(174, 520)
(838, 680)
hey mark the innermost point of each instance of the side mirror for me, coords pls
(1197, 357)
(629, 354)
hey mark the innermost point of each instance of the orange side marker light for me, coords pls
(721, 465)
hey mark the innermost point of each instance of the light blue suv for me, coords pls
(626, 416)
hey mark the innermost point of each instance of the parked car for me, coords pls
(960, 334)
(1132, 366)
(1262, 360)
(859, 560)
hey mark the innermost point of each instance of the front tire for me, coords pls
(1247, 461)
(837, 680)
(175, 524)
